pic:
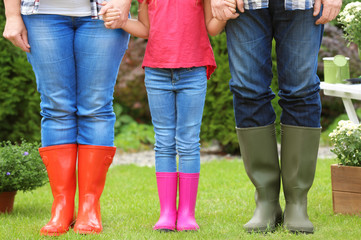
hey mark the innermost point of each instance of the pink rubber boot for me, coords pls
(167, 192)
(188, 187)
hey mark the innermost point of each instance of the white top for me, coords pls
(74, 8)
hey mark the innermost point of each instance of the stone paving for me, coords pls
(146, 158)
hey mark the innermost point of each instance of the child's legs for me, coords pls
(161, 99)
(191, 92)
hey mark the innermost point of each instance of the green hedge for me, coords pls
(218, 118)
(19, 100)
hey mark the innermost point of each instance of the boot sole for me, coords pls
(299, 231)
(164, 230)
(261, 230)
(55, 234)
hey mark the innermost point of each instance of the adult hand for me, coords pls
(330, 10)
(222, 11)
(123, 6)
(15, 31)
(110, 17)
(240, 5)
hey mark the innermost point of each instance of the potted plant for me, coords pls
(346, 175)
(350, 18)
(21, 169)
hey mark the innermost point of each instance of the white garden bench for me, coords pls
(346, 92)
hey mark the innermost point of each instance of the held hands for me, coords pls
(111, 16)
(115, 13)
(224, 10)
(330, 10)
(15, 31)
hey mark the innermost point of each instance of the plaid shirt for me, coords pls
(29, 7)
(289, 4)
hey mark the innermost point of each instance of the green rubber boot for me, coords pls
(299, 148)
(259, 152)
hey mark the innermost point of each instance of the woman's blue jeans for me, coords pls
(75, 61)
(298, 40)
(176, 101)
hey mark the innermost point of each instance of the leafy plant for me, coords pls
(346, 139)
(350, 18)
(129, 134)
(19, 100)
(21, 168)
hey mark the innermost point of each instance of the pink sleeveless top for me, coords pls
(178, 36)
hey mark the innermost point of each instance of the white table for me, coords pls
(346, 92)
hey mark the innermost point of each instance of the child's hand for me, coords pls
(232, 5)
(110, 16)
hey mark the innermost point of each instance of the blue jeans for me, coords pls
(176, 100)
(75, 61)
(298, 40)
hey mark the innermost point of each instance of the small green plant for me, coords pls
(346, 139)
(21, 168)
(130, 135)
(350, 18)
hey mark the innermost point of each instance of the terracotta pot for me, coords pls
(346, 189)
(7, 201)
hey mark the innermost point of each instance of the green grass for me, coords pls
(225, 203)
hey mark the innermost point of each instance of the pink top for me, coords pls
(178, 36)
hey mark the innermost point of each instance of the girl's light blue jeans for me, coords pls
(176, 101)
(75, 61)
(298, 40)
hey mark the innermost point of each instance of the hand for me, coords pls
(330, 10)
(224, 10)
(110, 18)
(122, 6)
(15, 31)
(240, 5)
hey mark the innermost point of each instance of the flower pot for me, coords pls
(346, 189)
(7, 201)
(336, 69)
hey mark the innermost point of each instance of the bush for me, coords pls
(130, 135)
(21, 168)
(19, 100)
(218, 118)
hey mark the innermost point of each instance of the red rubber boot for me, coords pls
(60, 162)
(93, 164)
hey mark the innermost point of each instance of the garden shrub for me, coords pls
(218, 118)
(19, 100)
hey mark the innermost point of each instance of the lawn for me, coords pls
(225, 202)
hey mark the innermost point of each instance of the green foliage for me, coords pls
(218, 118)
(134, 8)
(19, 100)
(346, 139)
(350, 18)
(130, 135)
(21, 168)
